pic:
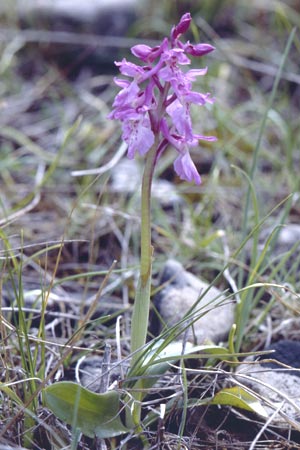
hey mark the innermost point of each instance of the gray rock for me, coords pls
(271, 378)
(99, 374)
(181, 293)
(286, 352)
(127, 177)
(288, 238)
(289, 235)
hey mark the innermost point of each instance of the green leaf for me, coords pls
(239, 398)
(159, 357)
(10, 393)
(94, 414)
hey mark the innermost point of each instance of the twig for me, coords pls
(34, 202)
(106, 167)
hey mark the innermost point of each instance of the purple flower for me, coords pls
(138, 135)
(186, 169)
(154, 103)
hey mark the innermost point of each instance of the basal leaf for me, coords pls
(159, 358)
(94, 414)
(239, 398)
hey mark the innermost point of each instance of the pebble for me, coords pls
(126, 178)
(100, 374)
(182, 290)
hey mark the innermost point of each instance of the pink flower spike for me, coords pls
(182, 26)
(186, 169)
(154, 105)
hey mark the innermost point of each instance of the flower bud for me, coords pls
(182, 26)
(198, 49)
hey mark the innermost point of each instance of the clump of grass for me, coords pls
(61, 234)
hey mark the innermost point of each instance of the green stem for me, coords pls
(140, 316)
(141, 307)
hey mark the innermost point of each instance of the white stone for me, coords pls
(214, 313)
(127, 176)
(278, 389)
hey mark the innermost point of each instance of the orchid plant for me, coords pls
(154, 108)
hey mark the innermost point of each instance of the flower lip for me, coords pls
(186, 169)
